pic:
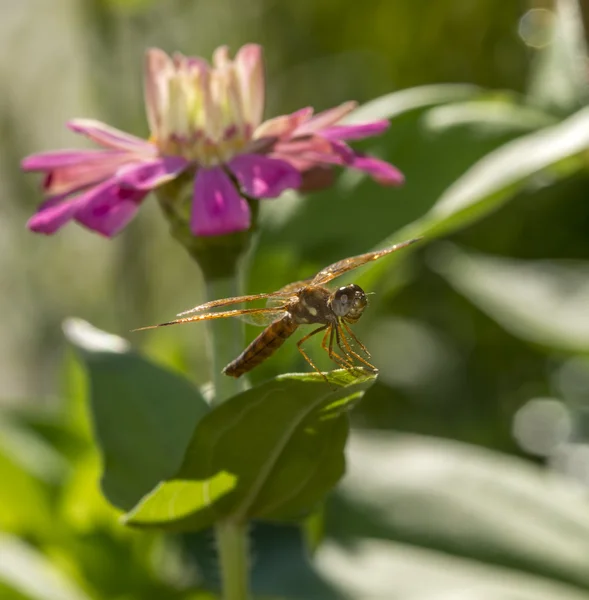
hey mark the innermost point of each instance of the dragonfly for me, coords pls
(306, 302)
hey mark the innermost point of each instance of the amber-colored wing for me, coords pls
(279, 295)
(256, 316)
(288, 291)
(347, 264)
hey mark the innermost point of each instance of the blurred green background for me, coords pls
(476, 484)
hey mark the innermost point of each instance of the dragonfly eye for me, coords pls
(349, 301)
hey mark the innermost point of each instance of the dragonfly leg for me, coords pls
(341, 336)
(336, 358)
(353, 336)
(305, 355)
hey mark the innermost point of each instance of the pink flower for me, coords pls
(205, 120)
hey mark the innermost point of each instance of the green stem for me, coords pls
(227, 336)
(232, 545)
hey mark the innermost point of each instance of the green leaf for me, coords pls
(494, 116)
(560, 80)
(432, 517)
(143, 414)
(26, 571)
(271, 452)
(492, 181)
(398, 103)
(541, 301)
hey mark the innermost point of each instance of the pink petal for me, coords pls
(283, 126)
(46, 161)
(52, 215)
(264, 177)
(109, 137)
(158, 70)
(108, 208)
(299, 146)
(314, 151)
(217, 208)
(355, 132)
(69, 171)
(250, 74)
(151, 174)
(326, 118)
(379, 170)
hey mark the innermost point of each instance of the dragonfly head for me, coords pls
(349, 302)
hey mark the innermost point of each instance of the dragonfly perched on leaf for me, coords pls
(305, 302)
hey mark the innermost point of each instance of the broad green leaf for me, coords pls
(271, 452)
(28, 468)
(25, 570)
(560, 80)
(494, 180)
(143, 415)
(371, 568)
(395, 104)
(488, 117)
(526, 528)
(541, 301)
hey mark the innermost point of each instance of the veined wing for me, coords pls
(286, 292)
(263, 319)
(271, 313)
(347, 264)
(279, 295)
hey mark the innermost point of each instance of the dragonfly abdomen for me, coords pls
(262, 347)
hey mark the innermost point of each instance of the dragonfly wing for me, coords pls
(228, 301)
(347, 264)
(244, 312)
(263, 319)
(286, 292)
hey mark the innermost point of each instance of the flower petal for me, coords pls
(110, 137)
(355, 132)
(45, 161)
(148, 175)
(284, 125)
(53, 214)
(326, 118)
(108, 208)
(158, 70)
(250, 74)
(71, 170)
(217, 208)
(379, 170)
(264, 177)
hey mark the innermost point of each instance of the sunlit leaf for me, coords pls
(397, 103)
(560, 79)
(542, 301)
(143, 414)
(271, 452)
(492, 181)
(437, 499)
(488, 117)
(26, 571)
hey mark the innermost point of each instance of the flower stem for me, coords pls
(232, 545)
(227, 336)
(227, 339)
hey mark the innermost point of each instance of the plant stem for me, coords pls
(232, 544)
(227, 336)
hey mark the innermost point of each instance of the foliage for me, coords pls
(465, 339)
